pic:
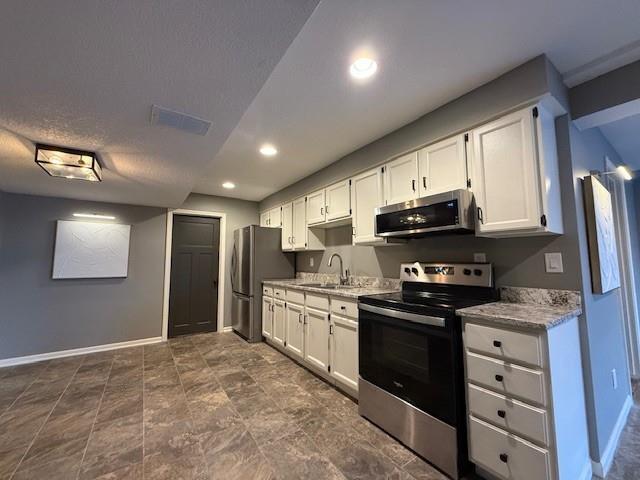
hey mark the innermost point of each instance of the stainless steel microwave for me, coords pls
(448, 212)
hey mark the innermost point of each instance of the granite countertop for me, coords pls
(352, 292)
(537, 309)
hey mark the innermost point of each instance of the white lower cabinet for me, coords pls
(278, 322)
(267, 316)
(294, 336)
(344, 351)
(316, 338)
(525, 401)
(319, 331)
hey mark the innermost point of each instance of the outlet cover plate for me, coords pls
(553, 262)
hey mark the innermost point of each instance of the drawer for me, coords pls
(507, 378)
(279, 293)
(344, 307)
(268, 291)
(512, 415)
(517, 346)
(506, 455)
(320, 302)
(295, 296)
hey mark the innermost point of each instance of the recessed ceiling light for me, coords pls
(624, 172)
(363, 68)
(229, 185)
(94, 215)
(268, 150)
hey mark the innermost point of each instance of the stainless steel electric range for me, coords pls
(410, 358)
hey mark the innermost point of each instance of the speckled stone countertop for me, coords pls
(359, 286)
(532, 308)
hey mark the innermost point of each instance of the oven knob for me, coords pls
(414, 270)
(477, 272)
(407, 270)
(466, 271)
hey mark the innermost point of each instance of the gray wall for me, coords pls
(536, 78)
(240, 213)
(41, 315)
(632, 190)
(603, 338)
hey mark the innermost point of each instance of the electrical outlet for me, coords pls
(480, 257)
(553, 262)
(311, 261)
(614, 378)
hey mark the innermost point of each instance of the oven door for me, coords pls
(410, 356)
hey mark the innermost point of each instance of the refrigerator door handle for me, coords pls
(233, 268)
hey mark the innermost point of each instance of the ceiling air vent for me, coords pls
(181, 121)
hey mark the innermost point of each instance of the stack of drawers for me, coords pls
(509, 402)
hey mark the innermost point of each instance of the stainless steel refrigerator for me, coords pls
(257, 255)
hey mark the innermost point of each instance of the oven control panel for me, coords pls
(474, 274)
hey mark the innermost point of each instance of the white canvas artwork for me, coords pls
(91, 250)
(603, 250)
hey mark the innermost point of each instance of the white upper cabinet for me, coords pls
(366, 196)
(401, 179)
(515, 175)
(299, 224)
(338, 201)
(443, 166)
(264, 219)
(316, 208)
(275, 218)
(287, 226)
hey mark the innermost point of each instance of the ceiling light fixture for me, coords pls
(624, 172)
(268, 150)
(68, 162)
(94, 215)
(228, 185)
(363, 68)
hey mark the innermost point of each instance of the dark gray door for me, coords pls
(193, 296)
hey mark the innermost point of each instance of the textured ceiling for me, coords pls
(428, 53)
(84, 73)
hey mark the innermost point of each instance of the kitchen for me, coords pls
(364, 265)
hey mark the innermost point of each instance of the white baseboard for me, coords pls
(7, 362)
(227, 329)
(601, 468)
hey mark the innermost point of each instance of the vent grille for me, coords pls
(181, 121)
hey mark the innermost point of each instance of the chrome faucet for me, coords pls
(343, 279)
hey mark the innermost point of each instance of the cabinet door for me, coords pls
(366, 196)
(278, 332)
(443, 166)
(299, 224)
(344, 351)
(315, 208)
(401, 179)
(287, 226)
(505, 183)
(338, 200)
(264, 219)
(294, 329)
(275, 220)
(316, 338)
(267, 316)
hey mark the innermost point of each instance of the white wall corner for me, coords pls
(601, 468)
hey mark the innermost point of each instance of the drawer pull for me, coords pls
(499, 378)
(502, 413)
(497, 343)
(342, 307)
(504, 457)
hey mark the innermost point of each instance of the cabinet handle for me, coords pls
(499, 378)
(321, 211)
(353, 230)
(497, 343)
(503, 457)
(502, 413)
(299, 318)
(413, 185)
(480, 216)
(326, 209)
(342, 307)
(424, 182)
(330, 329)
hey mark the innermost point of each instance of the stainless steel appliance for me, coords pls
(257, 255)
(410, 358)
(449, 212)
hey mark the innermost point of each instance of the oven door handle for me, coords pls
(412, 317)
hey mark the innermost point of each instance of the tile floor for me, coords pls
(205, 406)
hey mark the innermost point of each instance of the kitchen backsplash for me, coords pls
(356, 281)
(541, 296)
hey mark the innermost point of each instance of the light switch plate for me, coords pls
(311, 261)
(480, 257)
(553, 262)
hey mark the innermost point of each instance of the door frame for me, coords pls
(167, 264)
